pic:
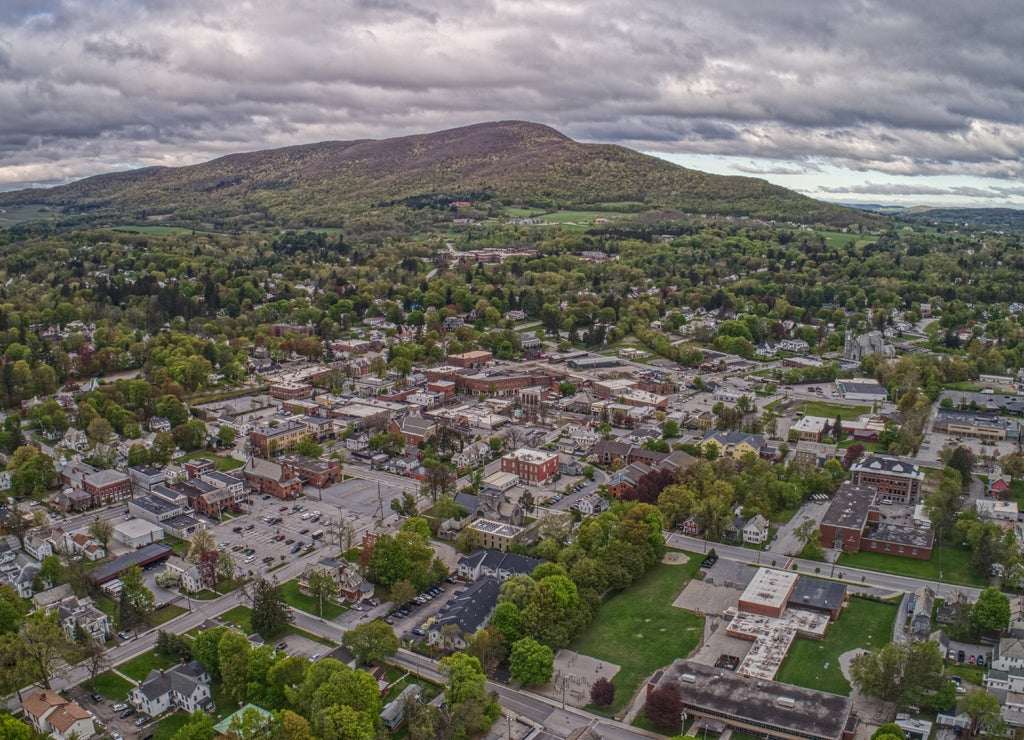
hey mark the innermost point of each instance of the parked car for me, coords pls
(127, 713)
(315, 657)
(119, 707)
(961, 655)
(970, 660)
(981, 660)
(116, 736)
(418, 632)
(97, 698)
(141, 721)
(282, 646)
(283, 508)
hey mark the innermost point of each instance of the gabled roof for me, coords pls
(471, 609)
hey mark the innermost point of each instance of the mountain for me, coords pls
(507, 162)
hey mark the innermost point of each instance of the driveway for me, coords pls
(787, 542)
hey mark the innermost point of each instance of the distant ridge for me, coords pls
(505, 162)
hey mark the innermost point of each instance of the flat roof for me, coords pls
(849, 508)
(815, 593)
(143, 556)
(768, 704)
(769, 587)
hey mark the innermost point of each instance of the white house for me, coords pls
(755, 531)
(187, 573)
(52, 715)
(185, 686)
(38, 545)
(592, 503)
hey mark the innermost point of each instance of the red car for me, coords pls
(283, 508)
(970, 659)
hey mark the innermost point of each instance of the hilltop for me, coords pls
(501, 163)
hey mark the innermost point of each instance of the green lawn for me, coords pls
(111, 686)
(241, 617)
(160, 230)
(294, 597)
(639, 630)
(223, 462)
(863, 624)
(168, 726)
(956, 565)
(138, 668)
(166, 614)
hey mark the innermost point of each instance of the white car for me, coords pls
(119, 707)
(116, 736)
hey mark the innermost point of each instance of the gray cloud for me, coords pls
(898, 87)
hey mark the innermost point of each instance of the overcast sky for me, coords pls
(911, 101)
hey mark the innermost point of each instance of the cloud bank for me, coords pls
(897, 88)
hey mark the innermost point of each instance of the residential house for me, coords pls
(187, 573)
(472, 454)
(690, 526)
(592, 504)
(52, 715)
(185, 687)
(351, 584)
(79, 615)
(755, 531)
(38, 545)
(468, 612)
(921, 612)
(393, 713)
(733, 444)
(494, 564)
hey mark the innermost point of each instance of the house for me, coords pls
(38, 545)
(351, 584)
(185, 686)
(52, 715)
(393, 713)
(187, 573)
(690, 526)
(468, 612)
(755, 531)
(83, 545)
(592, 504)
(921, 611)
(491, 563)
(79, 615)
(472, 454)
(732, 444)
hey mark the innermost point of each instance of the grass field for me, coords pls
(240, 616)
(639, 630)
(166, 614)
(138, 668)
(294, 597)
(168, 726)
(223, 463)
(20, 214)
(814, 664)
(111, 686)
(956, 565)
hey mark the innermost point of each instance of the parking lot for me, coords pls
(107, 716)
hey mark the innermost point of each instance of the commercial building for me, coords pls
(532, 466)
(496, 535)
(136, 533)
(148, 555)
(107, 486)
(268, 440)
(764, 708)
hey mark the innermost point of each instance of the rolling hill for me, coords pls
(508, 162)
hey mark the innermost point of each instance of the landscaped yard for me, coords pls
(639, 630)
(166, 614)
(168, 726)
(956, 565)
(110, 685)
(138, 668)
(814, 664)
(240, 616)
(294, 597)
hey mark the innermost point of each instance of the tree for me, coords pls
(233, 654)
(225, 567)
(602, 692)
(473, 709)
(198, 727)
(991, 610)
(810, 535)
(321, 586)
(226, 435)
(270, 614)
(292, 726)
(99, 431)
(371, 642)
(136, 602)
(402, 592)
(202, 541)
(1012, 464)
(43, 648)
(983, 709)
(531, 663)
(670, 429)
(309, 447)
(12, 729)
(467, 540)
(204, 649)
(903, 674)
(102, 530)
(887, 730)
(173, 646)
(962, 460)
(93, 654)
(664, 707)
(207, 567)
(488, 646)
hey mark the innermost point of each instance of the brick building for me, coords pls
(532, 466)
(267, 440)
(893, 479)
(263, 476)
(107, 486)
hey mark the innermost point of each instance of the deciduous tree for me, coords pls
(371, 642)
(531, 663)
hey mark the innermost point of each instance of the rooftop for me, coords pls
(770, 587)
